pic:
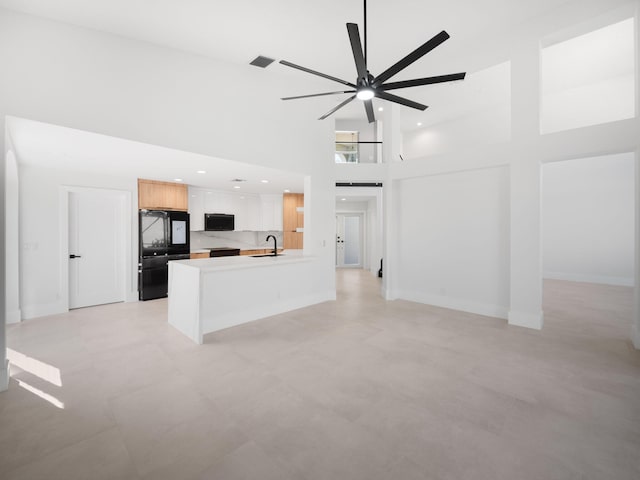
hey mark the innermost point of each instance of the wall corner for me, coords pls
(526, 319)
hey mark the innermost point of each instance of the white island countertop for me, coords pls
(244, 261)
(210, 294)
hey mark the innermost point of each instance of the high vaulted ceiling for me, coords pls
(311, 34)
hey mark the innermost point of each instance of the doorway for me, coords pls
(96, 249)
(588, 238)
(349, 240)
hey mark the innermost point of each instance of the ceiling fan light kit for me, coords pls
(366, 85)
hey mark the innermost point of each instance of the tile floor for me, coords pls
(354, 389)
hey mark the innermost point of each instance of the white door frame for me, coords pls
(125, 244)
(363, 237)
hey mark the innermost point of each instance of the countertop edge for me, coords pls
(241, 262)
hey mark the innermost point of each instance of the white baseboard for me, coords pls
(526, 319)
(586, 278)
(132, 297)
(4, 376)
(34, 311)
(14, 317)
(460, 304)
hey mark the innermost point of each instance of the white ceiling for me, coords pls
(51, 146)
(311, 34)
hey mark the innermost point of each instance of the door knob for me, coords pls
(75, 256)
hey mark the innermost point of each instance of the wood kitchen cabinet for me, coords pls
(156, 195)
(259, 251)
(292, 219)
(199, 255)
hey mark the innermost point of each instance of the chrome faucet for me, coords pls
(275, 244)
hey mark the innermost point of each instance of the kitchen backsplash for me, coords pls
(245, 240)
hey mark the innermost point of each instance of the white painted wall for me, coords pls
(524, 154)
(43, 267)
(605, 101)
(12, 264)
(588, 219)
(111, 85)
(484, 127)
(478, 114)
(588, 79)
(454, 247)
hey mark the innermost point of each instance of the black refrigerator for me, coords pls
(163, 236)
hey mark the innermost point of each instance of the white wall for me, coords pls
(471, 113)
(454, 250)
(524, 153)
(588, 219)
(484, 127)
(42, 265)
(12, 264)
(111, 85)
(588, 79)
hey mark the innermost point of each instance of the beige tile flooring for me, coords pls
(354, 389)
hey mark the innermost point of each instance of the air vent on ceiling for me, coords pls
(261, 61)
(239, 180)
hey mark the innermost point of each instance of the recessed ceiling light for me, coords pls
(264, 181)
(343, 199)
(286, 190)
(380, 109)
(236, 186)
(202, 171)
(177, 179)
(419, 124)
(208, 193)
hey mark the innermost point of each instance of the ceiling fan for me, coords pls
(366, 85)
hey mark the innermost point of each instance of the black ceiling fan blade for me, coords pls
(412, 57)
(356, 47)
(422, 81)
(317, 95)
(368, 106)
(313, 72)
(400, 100)
(335, 109)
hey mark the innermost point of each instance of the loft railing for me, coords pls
(358, 152)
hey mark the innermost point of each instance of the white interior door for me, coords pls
(96, 248)
(349, 240)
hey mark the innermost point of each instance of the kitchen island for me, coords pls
(209, 294)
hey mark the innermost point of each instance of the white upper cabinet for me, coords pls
(218, 202)
(271, 212)
(196, 209)
(252, 212)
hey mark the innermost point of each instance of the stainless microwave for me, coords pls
(219, 222)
